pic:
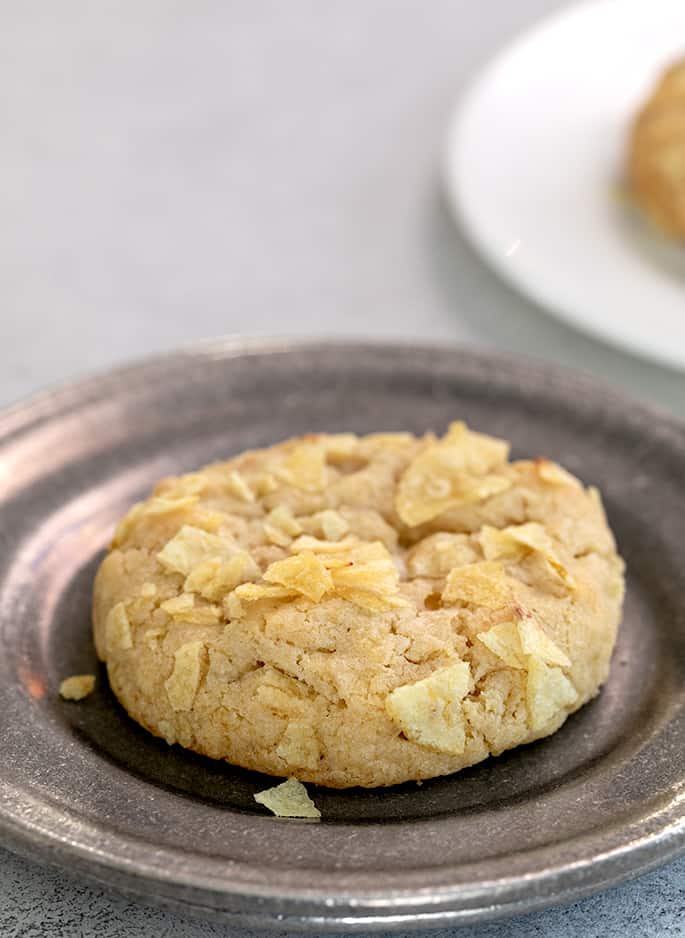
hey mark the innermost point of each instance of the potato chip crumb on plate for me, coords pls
(289, 799)
(77, 686)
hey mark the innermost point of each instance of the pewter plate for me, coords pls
(82, 787)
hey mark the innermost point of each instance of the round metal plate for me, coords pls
(83, 787)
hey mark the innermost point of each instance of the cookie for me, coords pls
(656, 157)
(360, 610)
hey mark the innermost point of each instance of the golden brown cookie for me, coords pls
(360, 610)
(656, 156)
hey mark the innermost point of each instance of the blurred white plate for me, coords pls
(534, 165)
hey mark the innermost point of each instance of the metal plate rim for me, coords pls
(232, 346)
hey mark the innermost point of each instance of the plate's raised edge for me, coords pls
(389, 910)
(451, 175)
(86, 388)
(22, 415)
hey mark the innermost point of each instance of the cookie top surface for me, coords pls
(360, 610)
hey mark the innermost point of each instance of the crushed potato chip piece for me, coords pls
(515, 541)
(182, 608)
(233, 608)
(167, 731)
(204, 615)
(127, 523)
(504, 641)
(206, 519)
(148, 590)
(516, 641)
(366, 563)
(236, 485)
(548, 691)
(534, 641)
(361, 573)
(118, 629)
(277, 536)
(438, 554)
(299, 746)
(483, 584)
(283, 518)
(305, 467)
(369, 600)
(289, 799)
(178, 605)
(281, 527)
(252, 592)
(77, 686)
(304, 573)
(331, 524)
(276, 698)
(181, 686)
(430, 711)
(595, 496)
(264, 483)
(307, 542)
(158, 505)
(190, 546)
(554, 474)
(213, 578)
(340, 446)
(365, 575)
(152, 636)
(168, 504)
(457, 470)
(192, 483)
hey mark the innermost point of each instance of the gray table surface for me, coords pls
(171, 171)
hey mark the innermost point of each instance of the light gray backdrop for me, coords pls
(173, 170)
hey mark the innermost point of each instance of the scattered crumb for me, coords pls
(77, 687)
(289, 799)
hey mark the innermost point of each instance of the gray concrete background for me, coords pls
(171, 171)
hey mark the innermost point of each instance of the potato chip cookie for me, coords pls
(360, 610)
(656, 157)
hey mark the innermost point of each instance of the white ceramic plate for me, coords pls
(534, 170)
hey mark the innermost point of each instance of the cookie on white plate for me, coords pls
(656, 154)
